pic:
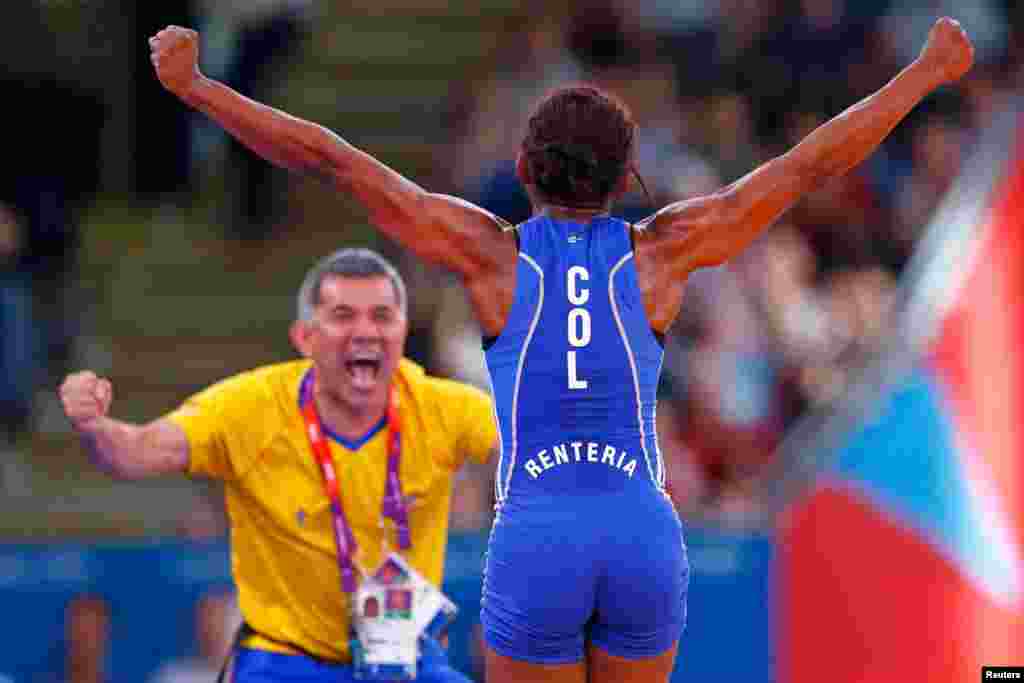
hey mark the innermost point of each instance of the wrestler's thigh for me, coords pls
(608, 668)
(502, 669)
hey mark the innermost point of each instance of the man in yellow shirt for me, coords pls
(333, 466)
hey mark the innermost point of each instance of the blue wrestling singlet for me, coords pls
(586, 545)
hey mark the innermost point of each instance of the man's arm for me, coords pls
(123, 450)
(438, 228)
(709, 230)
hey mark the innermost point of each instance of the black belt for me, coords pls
(245, 631)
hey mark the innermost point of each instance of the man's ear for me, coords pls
(301, 335)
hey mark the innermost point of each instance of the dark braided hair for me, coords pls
(578, 146)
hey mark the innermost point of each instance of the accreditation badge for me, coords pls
(392, 609)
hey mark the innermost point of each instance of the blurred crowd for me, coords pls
(716, 88)
(83, 655)
(86, 118)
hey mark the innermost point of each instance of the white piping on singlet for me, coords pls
(632, 366)
(519, 375)
(501, 442)
(657, 447)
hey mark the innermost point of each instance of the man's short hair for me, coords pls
(350, 262)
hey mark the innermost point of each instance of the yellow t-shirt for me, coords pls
(248, 431)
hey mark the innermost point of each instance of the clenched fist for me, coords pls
(948, 50)
(85, 397)
(174, 52)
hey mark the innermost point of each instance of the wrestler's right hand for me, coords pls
(85, 397)
(174, 52)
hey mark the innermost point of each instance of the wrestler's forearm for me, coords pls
(278, 137)
(843, 142)
(732, 218)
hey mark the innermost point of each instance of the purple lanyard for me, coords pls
(394, 506)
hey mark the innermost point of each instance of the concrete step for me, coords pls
(49, 488)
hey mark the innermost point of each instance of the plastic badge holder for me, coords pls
(396, 607)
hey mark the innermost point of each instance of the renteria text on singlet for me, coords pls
(580, 451)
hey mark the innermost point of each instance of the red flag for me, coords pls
(904, 560)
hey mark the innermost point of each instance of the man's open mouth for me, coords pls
(363, 372)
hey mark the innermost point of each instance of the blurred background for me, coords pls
(841, 409)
